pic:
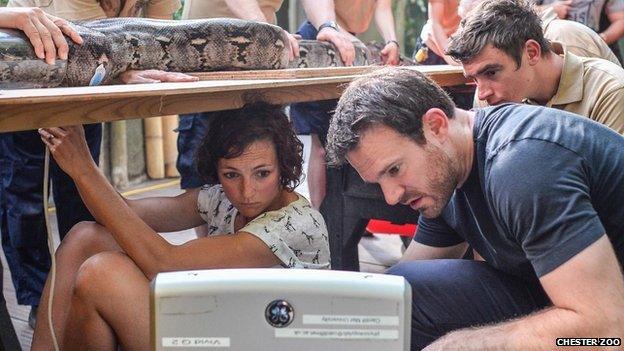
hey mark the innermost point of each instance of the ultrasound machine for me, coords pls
(280, 309)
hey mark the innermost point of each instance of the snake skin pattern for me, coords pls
(121, 44)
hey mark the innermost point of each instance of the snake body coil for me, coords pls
(121, 44)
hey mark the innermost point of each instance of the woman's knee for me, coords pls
(86, 239)
(100, 273)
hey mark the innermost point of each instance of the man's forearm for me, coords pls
(319, 11)
(537, 331)
(247, 10)
(614, 32)
(384, 19)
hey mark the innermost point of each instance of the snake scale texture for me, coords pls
(121, 44)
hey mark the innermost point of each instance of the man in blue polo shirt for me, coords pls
(538, 193)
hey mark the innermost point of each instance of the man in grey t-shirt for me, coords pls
(538, 194)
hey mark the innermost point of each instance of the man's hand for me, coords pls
(561, 8)
(69, 148)
(44, 31)
(154, 76)
(293, 39)
(390, 54)
(341, 41)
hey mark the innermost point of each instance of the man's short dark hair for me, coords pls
(231, 132)
(393, 97)
(505, 24)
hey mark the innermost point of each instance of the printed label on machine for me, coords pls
(195, 342)
(361, 334)
(350, 320)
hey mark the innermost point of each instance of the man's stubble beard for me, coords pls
(442, 180)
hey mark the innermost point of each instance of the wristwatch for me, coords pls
(329, 24)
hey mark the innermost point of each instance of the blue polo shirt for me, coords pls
(545, 184)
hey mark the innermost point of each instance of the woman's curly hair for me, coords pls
(231, 132)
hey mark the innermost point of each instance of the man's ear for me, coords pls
(533, 51)
(435, 124)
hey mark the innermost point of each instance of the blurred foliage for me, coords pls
(415, 18)
(3, 2)
(178, 14)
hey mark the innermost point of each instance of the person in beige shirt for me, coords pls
(435, 34)
(75, 10)
(349, 19)
(535, 71)
(337, 22)
(257, 10)
(577, 38)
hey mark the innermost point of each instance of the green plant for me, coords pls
(415, 18)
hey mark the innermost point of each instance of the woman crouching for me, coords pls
(251, 160)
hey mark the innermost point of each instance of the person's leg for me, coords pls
(23, 229)
(454, 294)
(302, 115)
(82, 242)
(70, 209)
(109, 306)
(317, 176)
(314, 117)
(191, 131)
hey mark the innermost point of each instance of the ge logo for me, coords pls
(279, 313)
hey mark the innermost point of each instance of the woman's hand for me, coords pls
(69, 148)
(154, 76)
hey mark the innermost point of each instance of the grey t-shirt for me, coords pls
(545, 185)
(588, 11)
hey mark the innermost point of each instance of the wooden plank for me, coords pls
(294, 73)
(34, 108)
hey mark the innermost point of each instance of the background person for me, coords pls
(45, 33)
(501, 46)
(443, 20)
(576, 37)
(589, 13)
(337, 22)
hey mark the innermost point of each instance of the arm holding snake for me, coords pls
(250, 10)
(321, 11)
(385, 23)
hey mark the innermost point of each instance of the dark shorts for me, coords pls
(312, 117)
(191, 131)
(24, 235)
